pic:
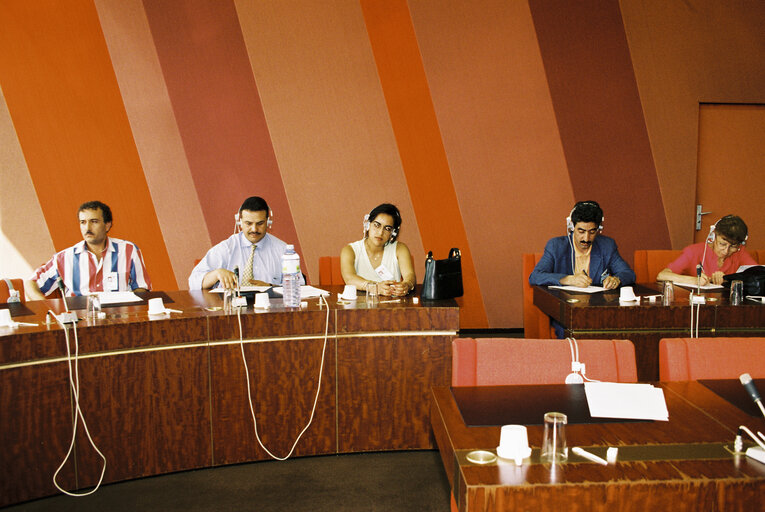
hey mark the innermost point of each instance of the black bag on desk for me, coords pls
(753, 278)
(443, 278)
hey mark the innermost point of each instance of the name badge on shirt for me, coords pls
(384, 273)
(111, 282)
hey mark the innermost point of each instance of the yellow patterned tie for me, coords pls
(247, 271)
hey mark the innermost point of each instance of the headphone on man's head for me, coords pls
(712, 235)
(570, 223)
(269, 221)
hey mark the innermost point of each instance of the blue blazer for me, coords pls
(604, 261)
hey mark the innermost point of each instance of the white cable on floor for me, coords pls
(318, 387)
(74, 383)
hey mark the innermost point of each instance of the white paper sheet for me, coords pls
(118, 297)
(248, 288)
(703, 286)
(589, 289)
(306, 291)
(627, 401)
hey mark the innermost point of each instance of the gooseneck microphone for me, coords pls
(748, 383)
(68, 317)
(236, 274)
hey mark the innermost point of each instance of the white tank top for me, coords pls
(364, 268)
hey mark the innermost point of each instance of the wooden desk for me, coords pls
(679, 465)
(169, 393)
(600, 315)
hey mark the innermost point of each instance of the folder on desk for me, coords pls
(626, 401)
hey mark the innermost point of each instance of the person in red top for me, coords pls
(722, 253)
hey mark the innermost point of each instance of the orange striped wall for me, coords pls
(419, 143)
(71, 124)
(483, 121)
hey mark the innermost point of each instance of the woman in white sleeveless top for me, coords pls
(379, 257)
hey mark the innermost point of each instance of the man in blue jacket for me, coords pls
(583, 257)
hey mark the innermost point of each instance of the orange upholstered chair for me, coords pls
(505, 361)
(5, 293)
(648, 263)
(329, 271)
(759, 256)
(536, 324)
(711, 358)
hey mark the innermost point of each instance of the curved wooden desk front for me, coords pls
(169, 394)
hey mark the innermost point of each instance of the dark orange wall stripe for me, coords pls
(217, 105)
(600, 118)
(420, 146)
(66, 107)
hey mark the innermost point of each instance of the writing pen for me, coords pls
(589, 456)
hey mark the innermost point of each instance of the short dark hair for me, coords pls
(587, 211)
(97, 205)
(733, 228)
(255, 204)
(388, 209)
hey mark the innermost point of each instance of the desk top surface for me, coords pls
(201, 319)
(610, 298)
(691, 445)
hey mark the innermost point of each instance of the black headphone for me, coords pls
(570, 224)
(712, 235)
(269, 221)
(393, 233)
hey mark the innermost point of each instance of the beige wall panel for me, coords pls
(25, 242)
(328, 120)
(494, 109)
(155, 131)
(686, 53)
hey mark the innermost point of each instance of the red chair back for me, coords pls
(649, 262)
(505, 361)
(711, 358)
(536, 325)
(329, 271)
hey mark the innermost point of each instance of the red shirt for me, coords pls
(694, 254)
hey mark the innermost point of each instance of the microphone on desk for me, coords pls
(60, 285)
(236, 274)
(68, 317)
(748, 383)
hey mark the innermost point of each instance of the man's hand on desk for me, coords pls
(580, 280)
(226, 278)
(611, 282)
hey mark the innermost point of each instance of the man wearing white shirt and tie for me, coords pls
(252, 249)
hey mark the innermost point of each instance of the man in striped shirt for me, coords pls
(98, 263)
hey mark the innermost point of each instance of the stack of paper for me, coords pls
(118, 297)
(627, 401)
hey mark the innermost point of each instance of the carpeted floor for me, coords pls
(388, 481)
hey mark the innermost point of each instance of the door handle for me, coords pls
(699, 213)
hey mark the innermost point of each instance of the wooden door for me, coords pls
(731, 167)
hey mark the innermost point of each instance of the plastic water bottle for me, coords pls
(291, 277)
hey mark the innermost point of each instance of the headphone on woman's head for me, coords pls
(393, 233)
(712, 235)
